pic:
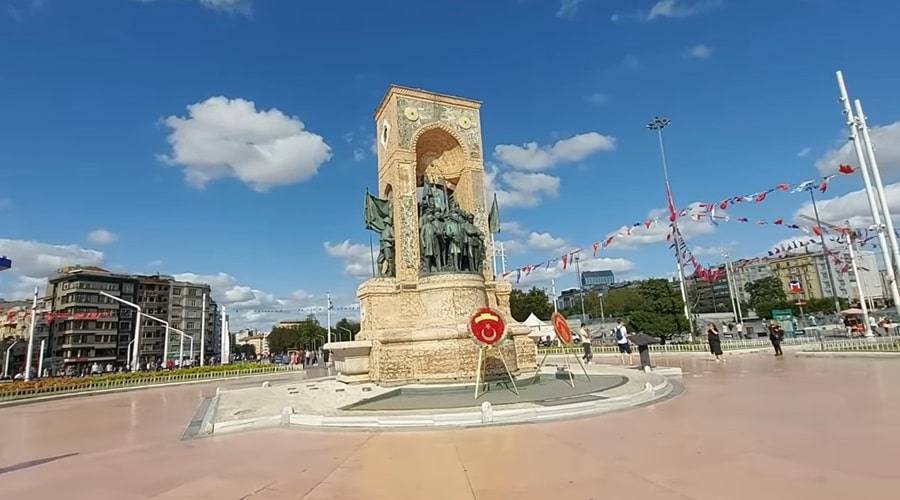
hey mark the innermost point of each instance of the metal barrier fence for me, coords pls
(868, 343)
(163, 378)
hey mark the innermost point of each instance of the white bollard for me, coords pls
(487, 413)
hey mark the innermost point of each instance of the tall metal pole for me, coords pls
(851, 242)
(223, 354)
(733, 289)
(580, 287)
(658, 124)
(870, 192)
(602, 314)
(28, 355)
(6, 359)
(137, 328)
(328, 313)
(202, 332)
(879, 186)
(40, 372)
(834, 290)
(502, 258)
(553, 291)
(494, 251)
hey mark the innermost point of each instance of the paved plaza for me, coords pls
(756, 427)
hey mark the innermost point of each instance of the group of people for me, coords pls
(306, 357)
(713, 337)
(619, 333)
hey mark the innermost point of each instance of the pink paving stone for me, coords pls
(756, 427)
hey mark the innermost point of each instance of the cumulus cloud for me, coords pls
(853, 206)
(568, 9)
(804, 152)
(534, 157)
(699, 51)
(357, 258)
(545, 241)
(658, 232)
(886, 141)
(678, 8)
(102, 237)
(234, 6)
(223, 137)
(34, 262)
(519, 189)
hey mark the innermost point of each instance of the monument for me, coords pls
(434, 266)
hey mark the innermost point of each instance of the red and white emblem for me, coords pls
(563, 332)
(487, 326)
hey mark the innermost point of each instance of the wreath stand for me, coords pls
(479, 372)
(566, 355)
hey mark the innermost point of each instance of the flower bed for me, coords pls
(55, 385)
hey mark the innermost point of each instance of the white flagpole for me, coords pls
(28, 355)
(879, 186)
(870, 192)
(494, 256)
(223, 349)
(859, 287)
(203, 331)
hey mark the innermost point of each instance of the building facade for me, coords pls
(597, 280)
(746, 272)
(86, 327)
(710, 296)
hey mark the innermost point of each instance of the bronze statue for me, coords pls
(386, 251)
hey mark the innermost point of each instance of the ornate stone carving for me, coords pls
(463, 121)
(410, 238)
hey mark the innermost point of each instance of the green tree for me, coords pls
(248, 350)
(619, 302)
(521, 304)
(660, 312)
(344, 323)
(765, 292)
(281, 339)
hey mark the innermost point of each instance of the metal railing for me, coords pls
(11, 393)
(868, 343)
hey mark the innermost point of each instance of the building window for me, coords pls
(176, 291)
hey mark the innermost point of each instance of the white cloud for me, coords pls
(804, 152)
(853, 206)
(658, 232)
(518, 189)
(568, 9)
(102, 237)
(359, 155)
(533, 157)
(803, 243)
(512, 228)
(224, 137)
(678, 8)
(34, 262)
(234, 6)
(885, 140)
(699, 51)
(597, 99)
(545, 241)
(356, 256)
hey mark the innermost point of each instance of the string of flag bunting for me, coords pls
(699, 212)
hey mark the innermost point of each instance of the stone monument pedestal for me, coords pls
(351, 360)
(419, 333)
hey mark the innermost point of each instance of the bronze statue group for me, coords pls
(448, 238)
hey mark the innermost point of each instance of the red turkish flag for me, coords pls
(846, 169)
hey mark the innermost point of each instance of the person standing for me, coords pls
(740, 330)
(776, 334)
(586, 344)
(621, 334)
(715, 342)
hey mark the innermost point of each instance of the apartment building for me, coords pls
(84, 326)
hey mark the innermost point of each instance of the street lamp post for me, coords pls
(580, 287)
(658, 124)
(137, 328)
(6, 359)
(40, 372)
(203, 332)
(29, 355)
(181, 348)
(834, 290)
(166, 344)
(349, 333)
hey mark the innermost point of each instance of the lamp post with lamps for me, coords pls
(137, 328)
(657, 125)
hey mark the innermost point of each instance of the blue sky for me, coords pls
(103, 161)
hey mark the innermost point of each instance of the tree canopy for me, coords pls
(521, 304)
(765, 292)
(307, 334)
(660, 311)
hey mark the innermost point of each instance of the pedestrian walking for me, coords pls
(308, 358)
(715, 342)
(776, 335)
(621, 335)
(586, 344)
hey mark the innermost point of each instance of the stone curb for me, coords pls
(54, 397)
(660, 388)
(848, 354)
